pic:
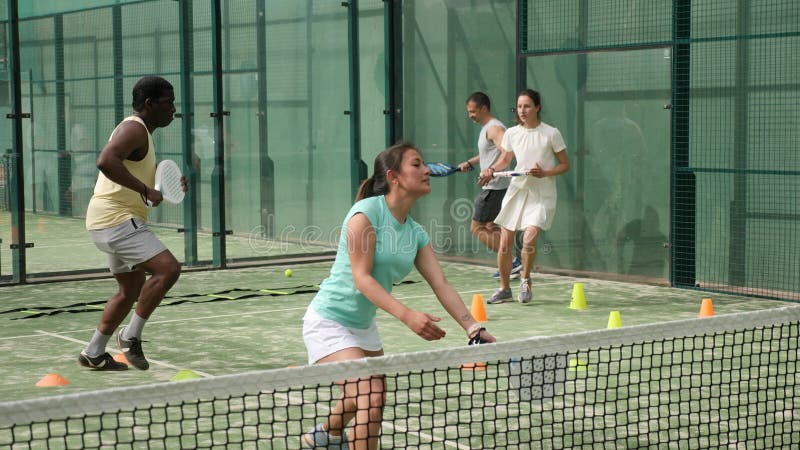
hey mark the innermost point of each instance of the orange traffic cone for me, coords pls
(474, 366)
(706, 308)
(52, 380)
(478, 311)
(120, 357)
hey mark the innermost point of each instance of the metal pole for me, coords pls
(17, 182)
(218, 208)
(190, 223)
(358, 170)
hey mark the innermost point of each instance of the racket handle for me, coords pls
(157, 187)
(509, 174)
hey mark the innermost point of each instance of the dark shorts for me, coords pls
(487, 204)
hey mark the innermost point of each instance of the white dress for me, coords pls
(531, 201)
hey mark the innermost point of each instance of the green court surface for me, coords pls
(63, 244)
(233, 321)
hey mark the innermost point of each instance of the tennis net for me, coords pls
(725, 381)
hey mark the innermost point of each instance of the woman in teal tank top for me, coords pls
(379, 244)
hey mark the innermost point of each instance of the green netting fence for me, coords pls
(678, 115)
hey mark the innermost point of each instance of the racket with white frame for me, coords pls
(510, 173)
(168, 181)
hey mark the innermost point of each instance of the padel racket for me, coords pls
(510, 173)
(168, 181)
(442, 169)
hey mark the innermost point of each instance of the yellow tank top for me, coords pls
(113, 203)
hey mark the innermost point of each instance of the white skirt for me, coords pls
(523, 208)
(324, 337)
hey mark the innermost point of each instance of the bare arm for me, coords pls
(495, 134)
(562, 167)
(502, 162)
(129, 142)
(467, 165)
(361, 248)
(430, 269)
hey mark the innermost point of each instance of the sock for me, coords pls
(134, 329)
(334, 439)
(97, 346)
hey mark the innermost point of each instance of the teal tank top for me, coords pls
(396, 247)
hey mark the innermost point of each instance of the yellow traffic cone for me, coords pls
(578, 298)
(614, 320)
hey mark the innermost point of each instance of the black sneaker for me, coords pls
(102, 362)
(132, 349)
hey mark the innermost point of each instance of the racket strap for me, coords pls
(476, 338)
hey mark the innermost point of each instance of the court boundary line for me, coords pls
(153, 361)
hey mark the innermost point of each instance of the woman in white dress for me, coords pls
(530, 202)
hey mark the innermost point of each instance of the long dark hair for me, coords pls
(389, 159)
(537, 101)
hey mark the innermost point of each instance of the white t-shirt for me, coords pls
(533, 146)
(531, 201)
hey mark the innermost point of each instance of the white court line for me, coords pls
(227, 315)
(184, 319)
(154, 361)
(165, 321)
(463, 292)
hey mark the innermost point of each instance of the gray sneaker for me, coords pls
(500, 296)
(132, 349)
(525, 294)
(318, 438)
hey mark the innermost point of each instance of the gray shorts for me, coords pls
(127, 244)
(488, 204)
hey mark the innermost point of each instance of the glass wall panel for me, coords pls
(613, 205)
(451, 49)
(372, 62)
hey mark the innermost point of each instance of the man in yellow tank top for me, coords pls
(117, 221)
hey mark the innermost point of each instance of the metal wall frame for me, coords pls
(358, 172)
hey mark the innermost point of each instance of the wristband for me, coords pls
(475, 328)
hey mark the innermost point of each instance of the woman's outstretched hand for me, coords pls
(424, 325)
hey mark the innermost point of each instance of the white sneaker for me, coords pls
(525, 294)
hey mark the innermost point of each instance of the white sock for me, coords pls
(97, 346)
(134, 329)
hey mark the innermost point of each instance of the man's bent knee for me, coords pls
(164, 264)
(476, 227)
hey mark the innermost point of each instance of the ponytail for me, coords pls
(366, 189)
(389, 159)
